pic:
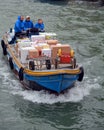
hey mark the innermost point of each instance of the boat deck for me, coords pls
(39, 62)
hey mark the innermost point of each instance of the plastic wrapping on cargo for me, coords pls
(24, 44)
(44, 45)
(49, 35)
(24, 53)
(38, 47)
(37, 38)
(34, 43)
(59, 44)
(23, 40)
(46, 52)
(41, 41)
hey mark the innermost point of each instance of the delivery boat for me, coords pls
(42, 62)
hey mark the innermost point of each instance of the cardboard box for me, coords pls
(24, 53)
(65, 48)
(45, 46)
(40, 46)
(33, 53)
(52, 42)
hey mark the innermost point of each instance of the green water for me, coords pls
(81, 108)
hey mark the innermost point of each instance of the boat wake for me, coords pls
(75, 94)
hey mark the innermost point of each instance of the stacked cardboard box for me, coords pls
(24, 52)
(24, 44)
(52, 42)
(48, 35)
(23, 40)
(33, 53)
(37, 38)
(65, 48)
(41, 46)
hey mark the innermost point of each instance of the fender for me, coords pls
(11, 63)
(81, 75)
(21, 74)
(4, 47)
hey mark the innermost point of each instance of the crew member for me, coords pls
(40, 25)
(28, 24)
(19, 26)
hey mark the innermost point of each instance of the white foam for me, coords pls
(74, 94)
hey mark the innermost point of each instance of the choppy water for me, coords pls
(81, 108)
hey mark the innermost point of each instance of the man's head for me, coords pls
(27, 18)
(21, 18)
(40, 21)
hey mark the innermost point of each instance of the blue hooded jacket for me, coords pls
(39, 26)
(28, 24)
(19, 25)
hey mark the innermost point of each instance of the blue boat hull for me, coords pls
(57, 83)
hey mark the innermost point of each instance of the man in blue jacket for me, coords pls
(19, 26)
(28, 24)
(40, 25)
